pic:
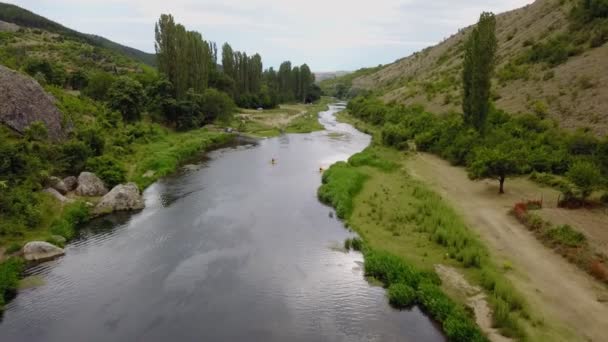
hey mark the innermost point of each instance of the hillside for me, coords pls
(24, 18)
(547, 64)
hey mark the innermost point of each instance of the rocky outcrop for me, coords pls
(122, 197)
(57, 195)
(90, 185)
(58, 184)
(23, 102)
(41, 251)
(71, 183)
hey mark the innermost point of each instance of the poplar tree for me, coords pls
(479, 62)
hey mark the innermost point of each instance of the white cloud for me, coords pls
(314, 31)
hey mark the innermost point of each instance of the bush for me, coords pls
(217, 105)
(73, 156)
(99, 85)
(565, 235)
(10, 271)
(108, 169)
(127, 96)
(585, 176)
(74, 215)
(401, 296)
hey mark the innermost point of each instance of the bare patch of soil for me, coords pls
(476, 300)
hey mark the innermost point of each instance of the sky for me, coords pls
(328, 35)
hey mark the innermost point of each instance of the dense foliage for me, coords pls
(511, 145)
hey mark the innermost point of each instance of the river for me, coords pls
(234, 249)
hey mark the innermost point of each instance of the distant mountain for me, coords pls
(322, 76)
(22, 17)
(548, 64)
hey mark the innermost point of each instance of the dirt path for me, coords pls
(476, 299)
(555, 289)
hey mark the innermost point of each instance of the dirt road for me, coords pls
(556, 290)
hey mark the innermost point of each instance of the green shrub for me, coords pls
(10, 270)
(109, 169)
(74, 215)
(401, 296)
(565, 235)
(585, 176)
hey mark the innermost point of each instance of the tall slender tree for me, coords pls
(479, 62)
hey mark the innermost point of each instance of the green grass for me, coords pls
(165, 154)
(10, 271)
(340, 184)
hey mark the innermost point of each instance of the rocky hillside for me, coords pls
(548, 64)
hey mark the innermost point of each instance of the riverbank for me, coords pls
(148, 161)
(394, 212)
(288, 118)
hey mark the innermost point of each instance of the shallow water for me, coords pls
(234, 249)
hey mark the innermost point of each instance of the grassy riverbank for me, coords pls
(413, 228)
(288, 118)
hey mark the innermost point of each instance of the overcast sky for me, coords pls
(327, 34)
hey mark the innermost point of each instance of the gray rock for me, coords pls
(58, 184)
(58, 195)
(149, 174)
(8, 27)
(23, 101)
(90, 185)
(71, 183)
(41, 251)
(122, 197)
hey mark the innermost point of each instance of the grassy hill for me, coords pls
(549, 63)
(24, 18)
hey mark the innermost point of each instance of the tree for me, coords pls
(585, 176)
(496, 163)
(479, 62)
(98, 86)
(306, 82)
(216, 105)
(127, 96)
(228, 60)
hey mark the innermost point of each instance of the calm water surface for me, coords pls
(235, 249)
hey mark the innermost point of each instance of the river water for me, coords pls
(234, 249)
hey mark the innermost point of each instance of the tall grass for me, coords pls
(10, 271)
(341, 183)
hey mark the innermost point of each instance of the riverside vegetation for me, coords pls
(396, 214)
(125, 120)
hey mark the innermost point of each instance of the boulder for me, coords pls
(90, 185)
(121, 198)
(71, 183)
(58, 195)
(58, 184)
(41, 251)
(23, 101)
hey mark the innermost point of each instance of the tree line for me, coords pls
(190, 65)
